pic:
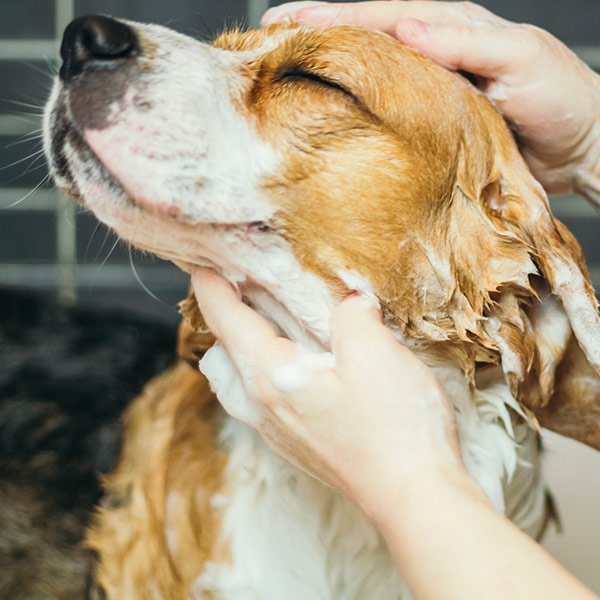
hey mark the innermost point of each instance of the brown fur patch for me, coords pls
(157, 527)
(194, 337)
(574, 409)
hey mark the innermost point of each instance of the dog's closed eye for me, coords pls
(303, 75)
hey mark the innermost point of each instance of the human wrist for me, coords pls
(441, 482)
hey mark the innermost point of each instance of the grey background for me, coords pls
(49, 244)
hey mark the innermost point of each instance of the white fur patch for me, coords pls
(292, 537)
(169, 140)
(569, 285)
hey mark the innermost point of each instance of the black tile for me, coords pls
(136, 301)
(22, 164)
(199, 19)
(27, 19)
(27, 237)
(25, 86)
(575, 22)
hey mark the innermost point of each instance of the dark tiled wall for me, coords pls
(576, 22)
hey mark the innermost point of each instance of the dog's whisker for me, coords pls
(35, 154)
(107, 235)
(30, 193)
(92, 236)
(36, 134)
(39, 108)
(51, 68)
(112, 249)
(139, 280)
(35, 167)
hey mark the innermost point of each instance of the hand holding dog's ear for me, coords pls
(550, 96)
(370, 402)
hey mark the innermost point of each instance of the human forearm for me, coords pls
(448, 541)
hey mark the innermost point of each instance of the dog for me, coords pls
(305, 165)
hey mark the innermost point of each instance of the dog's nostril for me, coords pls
(94, 39)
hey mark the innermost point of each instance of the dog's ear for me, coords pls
(545, 324)
(193, 338)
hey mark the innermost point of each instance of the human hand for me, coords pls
(550, 97)
(375, 419)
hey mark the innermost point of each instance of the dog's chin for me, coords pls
(147, 223)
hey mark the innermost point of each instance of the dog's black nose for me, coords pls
(94, 40)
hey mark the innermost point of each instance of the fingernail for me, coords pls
(286, 12)
(368, 300)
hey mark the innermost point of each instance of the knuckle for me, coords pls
(538, 40)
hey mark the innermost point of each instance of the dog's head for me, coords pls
(302, 163)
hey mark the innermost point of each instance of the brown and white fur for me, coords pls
(303, 165)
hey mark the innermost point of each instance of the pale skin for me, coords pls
(377, 427)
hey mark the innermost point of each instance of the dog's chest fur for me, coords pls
(290, 536)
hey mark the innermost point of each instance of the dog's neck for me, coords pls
(299, 305)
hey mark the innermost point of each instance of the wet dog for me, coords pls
(305, 165)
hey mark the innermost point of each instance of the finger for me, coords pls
(358, 334)
(239, 328)
(284, 12)
(380, 15)
(481, 47)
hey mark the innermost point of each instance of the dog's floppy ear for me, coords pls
(547, 330)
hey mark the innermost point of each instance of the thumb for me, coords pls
(358, 334)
